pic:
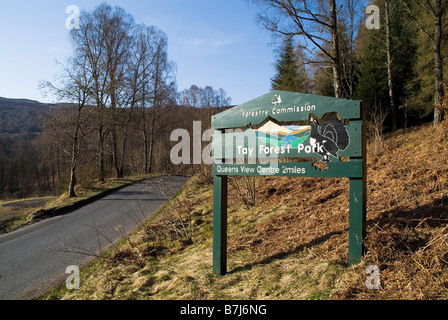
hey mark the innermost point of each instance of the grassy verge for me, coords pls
(156, 263)
(18, 213)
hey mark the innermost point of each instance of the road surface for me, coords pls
(34, 259)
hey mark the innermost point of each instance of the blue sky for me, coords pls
(212, 42)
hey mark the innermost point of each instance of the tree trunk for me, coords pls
(113, 109)
(154, 114)
(71, 187)
(389, 68)
(151, 145)
(115, 155)
(145, 147)
(123, 147)
(337, 83)
(101, 173)
(438, 64)
(145, 134)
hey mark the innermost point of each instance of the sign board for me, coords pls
(284, 134)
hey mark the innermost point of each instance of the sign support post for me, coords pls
(220, 224)
(358, 203)
(357, 221)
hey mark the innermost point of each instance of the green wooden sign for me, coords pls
(286, 134)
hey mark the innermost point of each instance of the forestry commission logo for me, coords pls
(276, 100)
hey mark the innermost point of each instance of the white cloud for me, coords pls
(210, 45)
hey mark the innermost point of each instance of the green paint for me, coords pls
(291, 169)
(220, 225)
(357, 221)
(293, 107)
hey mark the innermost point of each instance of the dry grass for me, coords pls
(14, 213)
(407, 219)
(293, 244)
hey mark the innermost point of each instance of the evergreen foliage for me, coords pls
(291, 70)
(393, 69)
(372, 87)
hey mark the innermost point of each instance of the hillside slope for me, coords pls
(293, 244)
(21, 116)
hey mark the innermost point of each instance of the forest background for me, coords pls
(117, 103)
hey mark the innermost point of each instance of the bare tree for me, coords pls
(72, 120)
(314, 21)
(245, 189)
(206, 97)
(153, 84)
(127, 68)
(317, 23)
(350, 22)
(104, 40)
(162, 91)
(375, 127)
(389, 67)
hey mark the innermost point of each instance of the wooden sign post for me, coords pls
(257, 138)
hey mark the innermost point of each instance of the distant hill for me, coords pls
(19, 116)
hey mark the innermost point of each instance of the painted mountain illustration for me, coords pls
(283, 136)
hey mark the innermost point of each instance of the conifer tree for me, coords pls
(387, 57)
(430, 18)
(291, 71)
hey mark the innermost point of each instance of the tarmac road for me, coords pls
(34, 259)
